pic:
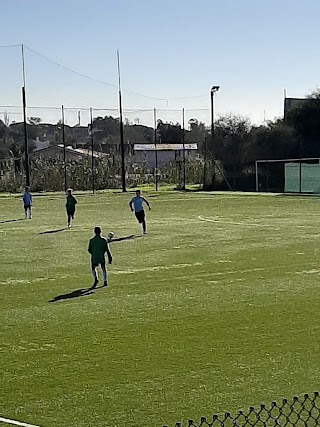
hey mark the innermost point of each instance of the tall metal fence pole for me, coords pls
(64, 149)
(24, 107)
(26, 144)
(123, 167)
(204, 163)
(184, 151)
(92, 158)
(267, 177)
(300, 164)
(155, 147)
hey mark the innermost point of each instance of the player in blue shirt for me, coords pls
(27, 202)
(137, 202)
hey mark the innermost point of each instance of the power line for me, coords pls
(97, 80)
(69, 69)
(10, 45)
(106, 83)
(89, 77)
(188, 97)
(131, 110)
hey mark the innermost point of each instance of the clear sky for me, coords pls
(253, 49)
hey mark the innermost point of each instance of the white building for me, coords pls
(166, 153)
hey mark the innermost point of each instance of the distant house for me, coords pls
(166, 153)
(39, 145)
(291, 103)
(56, 152)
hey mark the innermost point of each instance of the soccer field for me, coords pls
(216, 308)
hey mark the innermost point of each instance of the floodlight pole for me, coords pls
(213, 91)
(24, 107)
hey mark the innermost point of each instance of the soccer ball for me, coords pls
(111, 235)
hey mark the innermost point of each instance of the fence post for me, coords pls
(64, 148)
(184, 152)
(204, 163)
(92, 159)
(155, 147)
(26, 144)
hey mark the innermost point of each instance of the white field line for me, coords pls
(16, 423)
(233, 223)
(157, 268)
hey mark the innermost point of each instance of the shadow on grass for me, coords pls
(316, 195)
(199, 189)
(53, 231)
(11, 220)
(120, 239)
(75, 294)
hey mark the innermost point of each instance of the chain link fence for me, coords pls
(298, 412)
(80, 147)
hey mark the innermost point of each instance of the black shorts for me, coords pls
(27, 207)
(95, 264)
(70, 213)
(140, 216)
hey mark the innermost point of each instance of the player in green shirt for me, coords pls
(70, 206)
(98, 246)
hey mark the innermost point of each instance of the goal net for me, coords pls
(288, 175)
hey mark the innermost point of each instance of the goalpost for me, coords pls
(288, 175)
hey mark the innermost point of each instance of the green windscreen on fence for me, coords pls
(310, 178)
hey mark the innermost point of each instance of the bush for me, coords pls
(48, 175)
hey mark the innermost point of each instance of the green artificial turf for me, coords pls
(216, 309)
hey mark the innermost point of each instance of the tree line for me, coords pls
(230, 154)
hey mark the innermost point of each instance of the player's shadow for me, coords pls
(83, 292)
(11, 220)
(316, 195)
(120, 239)
(53, 231)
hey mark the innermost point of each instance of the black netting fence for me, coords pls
(298, 412)
(82, 148)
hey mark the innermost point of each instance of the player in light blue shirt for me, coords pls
(27, 203)
(137, 202)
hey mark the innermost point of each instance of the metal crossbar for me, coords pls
(299, 412)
